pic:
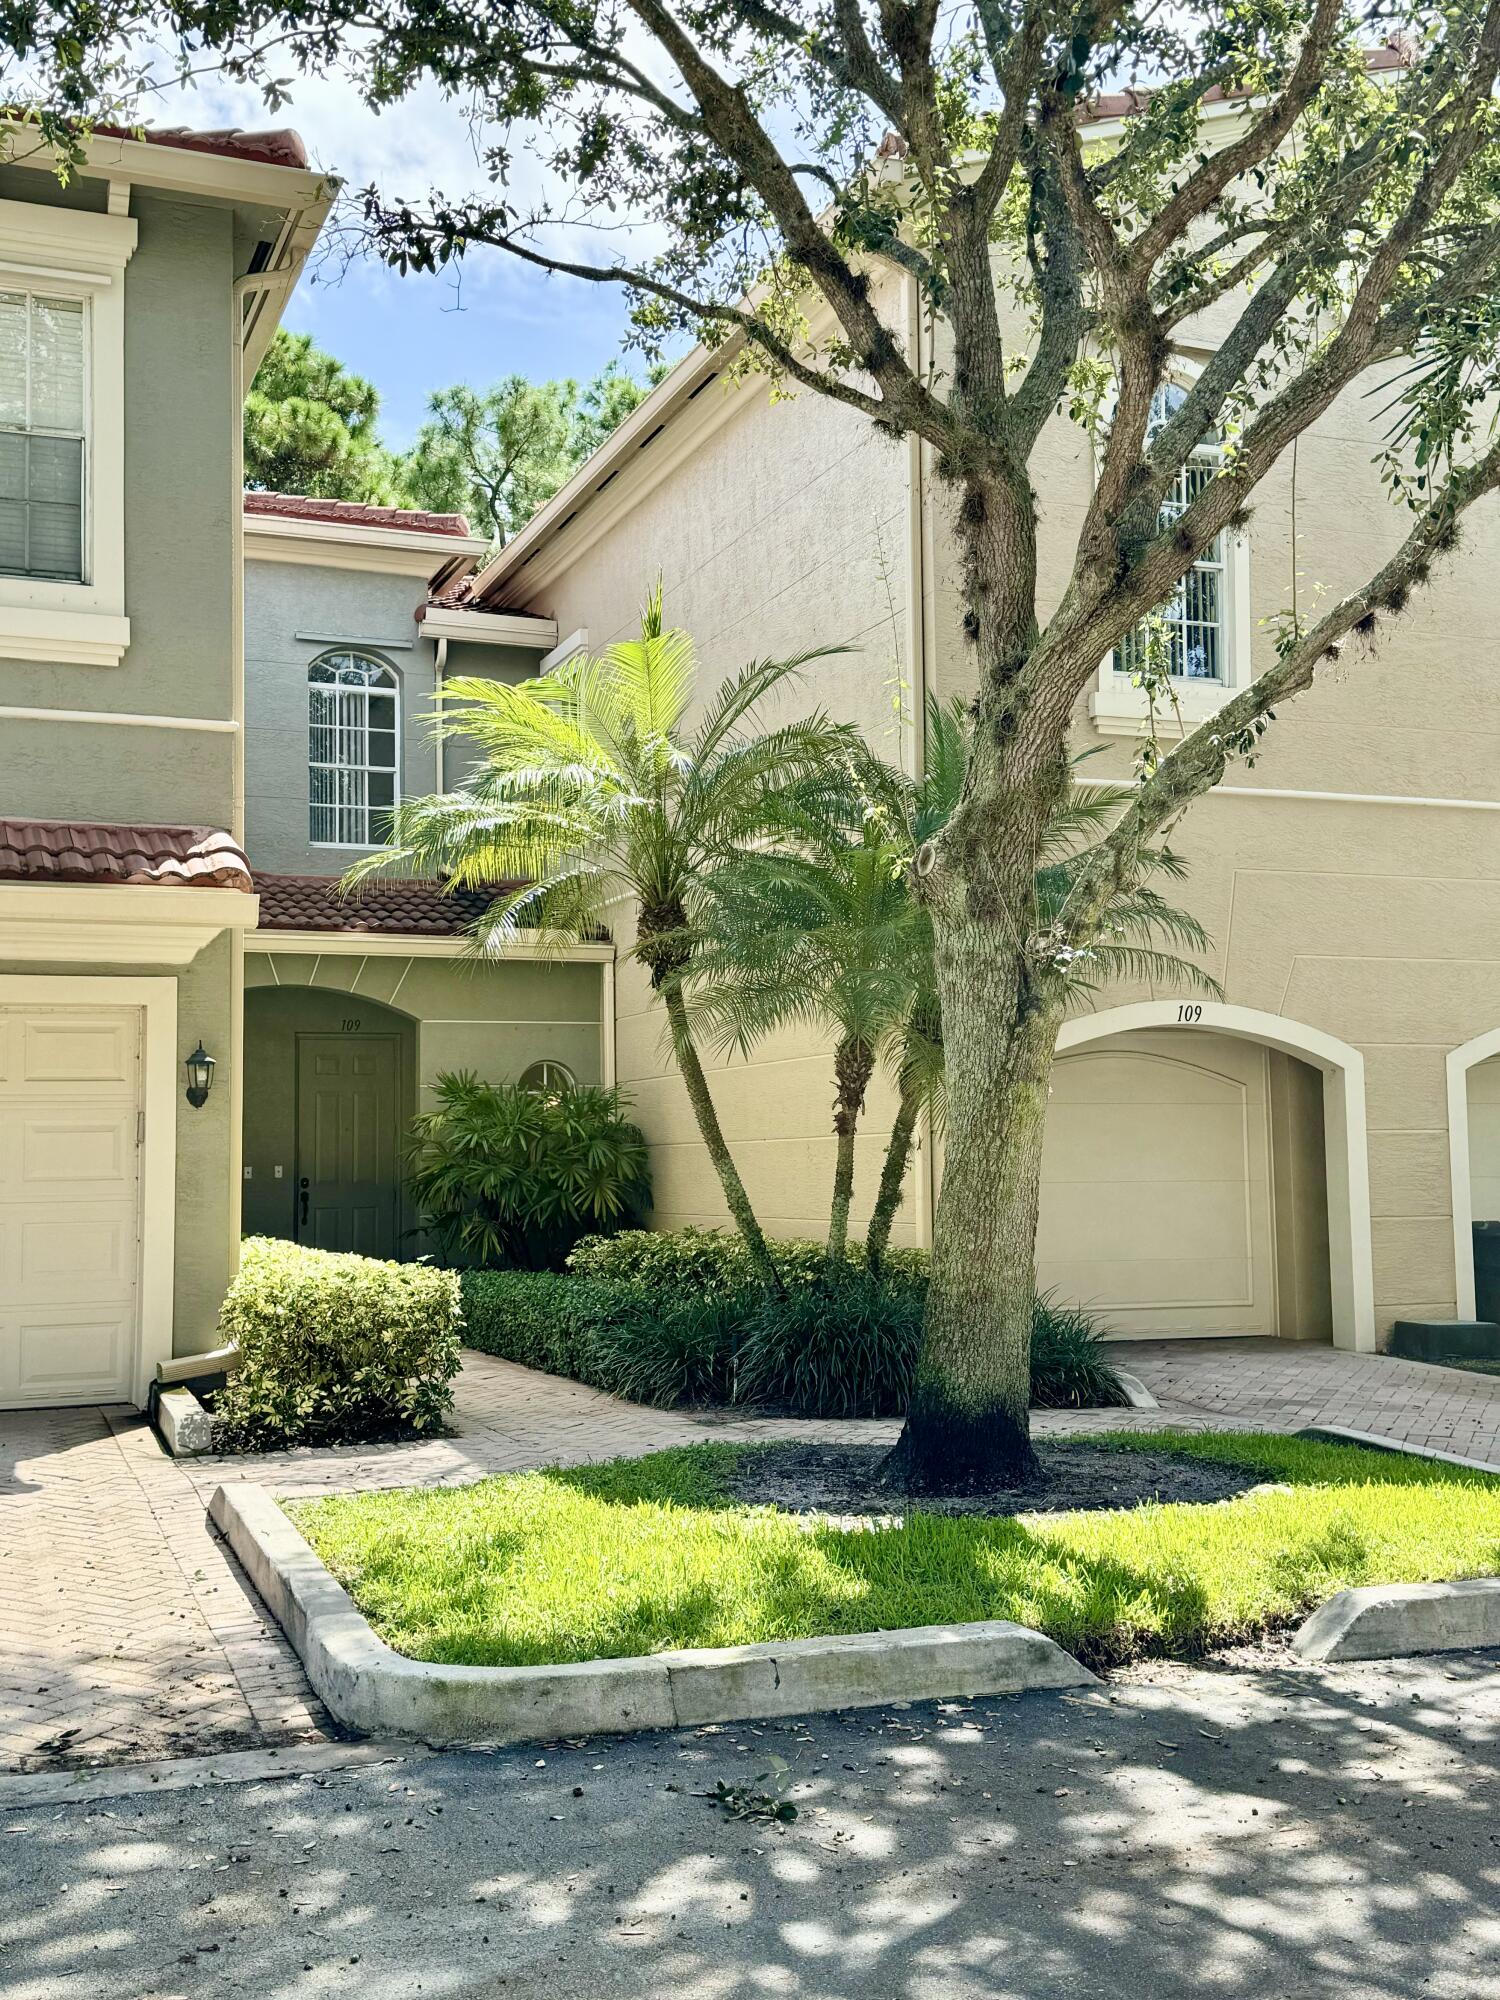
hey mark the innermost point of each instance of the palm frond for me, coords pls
(742, 693)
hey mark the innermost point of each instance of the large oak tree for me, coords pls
(727, 162)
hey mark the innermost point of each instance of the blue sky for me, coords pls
(412, 335)
(415, 334)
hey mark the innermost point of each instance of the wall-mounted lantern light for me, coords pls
(200, 1074)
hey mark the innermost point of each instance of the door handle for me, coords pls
(302, 1192)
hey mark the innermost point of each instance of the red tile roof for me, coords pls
(281, 147)
(65, 850)
(390, 907)
(354, 513)
(1393, 54)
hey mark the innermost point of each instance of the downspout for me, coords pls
(440, 665)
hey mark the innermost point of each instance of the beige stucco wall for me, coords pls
(785, 529)
(1372, 922)
(448, 1014)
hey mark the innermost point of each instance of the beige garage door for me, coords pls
(69, 1209)
(1156, 1185)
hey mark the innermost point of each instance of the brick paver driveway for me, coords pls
(127, 1630)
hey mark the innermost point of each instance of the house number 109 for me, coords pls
(1189, 1013)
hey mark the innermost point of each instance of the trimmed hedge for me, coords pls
(714, 1260)
(838, 1345)
(335, 1349)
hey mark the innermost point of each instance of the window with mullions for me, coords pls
(1191, 629)
(43, 345)
(353, 707)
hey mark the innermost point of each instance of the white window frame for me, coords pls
(365, 769)
(66, 253)
(36, 293)
(545, 1086)
(1119, 709)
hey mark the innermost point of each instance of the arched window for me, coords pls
(1192, 627)
(353, 715)
(546, 1078)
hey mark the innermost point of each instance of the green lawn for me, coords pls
(640, 1555)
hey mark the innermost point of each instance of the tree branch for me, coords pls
(1215, 173)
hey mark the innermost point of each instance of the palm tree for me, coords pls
(592, 790)
(1140, 927)
(822, 930)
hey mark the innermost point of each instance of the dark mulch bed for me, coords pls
(845, 1479)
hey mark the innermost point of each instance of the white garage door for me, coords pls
(69, 1207)
(1156, 1185)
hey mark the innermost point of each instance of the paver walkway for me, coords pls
(127, 1630)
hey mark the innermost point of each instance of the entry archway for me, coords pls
(1351, 1279)
(1461, 1061)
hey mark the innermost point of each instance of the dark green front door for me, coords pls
(348, 1142)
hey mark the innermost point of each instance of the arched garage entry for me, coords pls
(1130, 1089)
(1474, 1152)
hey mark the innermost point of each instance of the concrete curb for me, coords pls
(1137, 1394)
(182, 1423)
(1375, 1441)
(1387, 1620)
(373, 1689)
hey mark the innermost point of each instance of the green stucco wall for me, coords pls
(293, 613)
(180, 522)
(274, 1017)
(451, 1014)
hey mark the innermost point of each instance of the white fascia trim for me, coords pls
(390, 944)
(211, 725)
(576, 642)
(349, 545)
(1412, 799)
(608, 464)
(157, 1001)
(221, 176)
(489, 628)
(122, 923)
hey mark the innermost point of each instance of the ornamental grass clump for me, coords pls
(335, 1349)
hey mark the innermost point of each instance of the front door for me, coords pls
(348, 1142)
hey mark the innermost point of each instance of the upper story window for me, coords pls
(353, 707)
(62, 432)
(1189, 634)
(43, 405)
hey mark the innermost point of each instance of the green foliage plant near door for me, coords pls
(509, 1177)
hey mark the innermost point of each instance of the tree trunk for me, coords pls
(712, 1134)
(893, 1175)
(967, 1428)
(853, 1066)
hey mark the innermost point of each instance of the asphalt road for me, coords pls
(1248, 1831)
